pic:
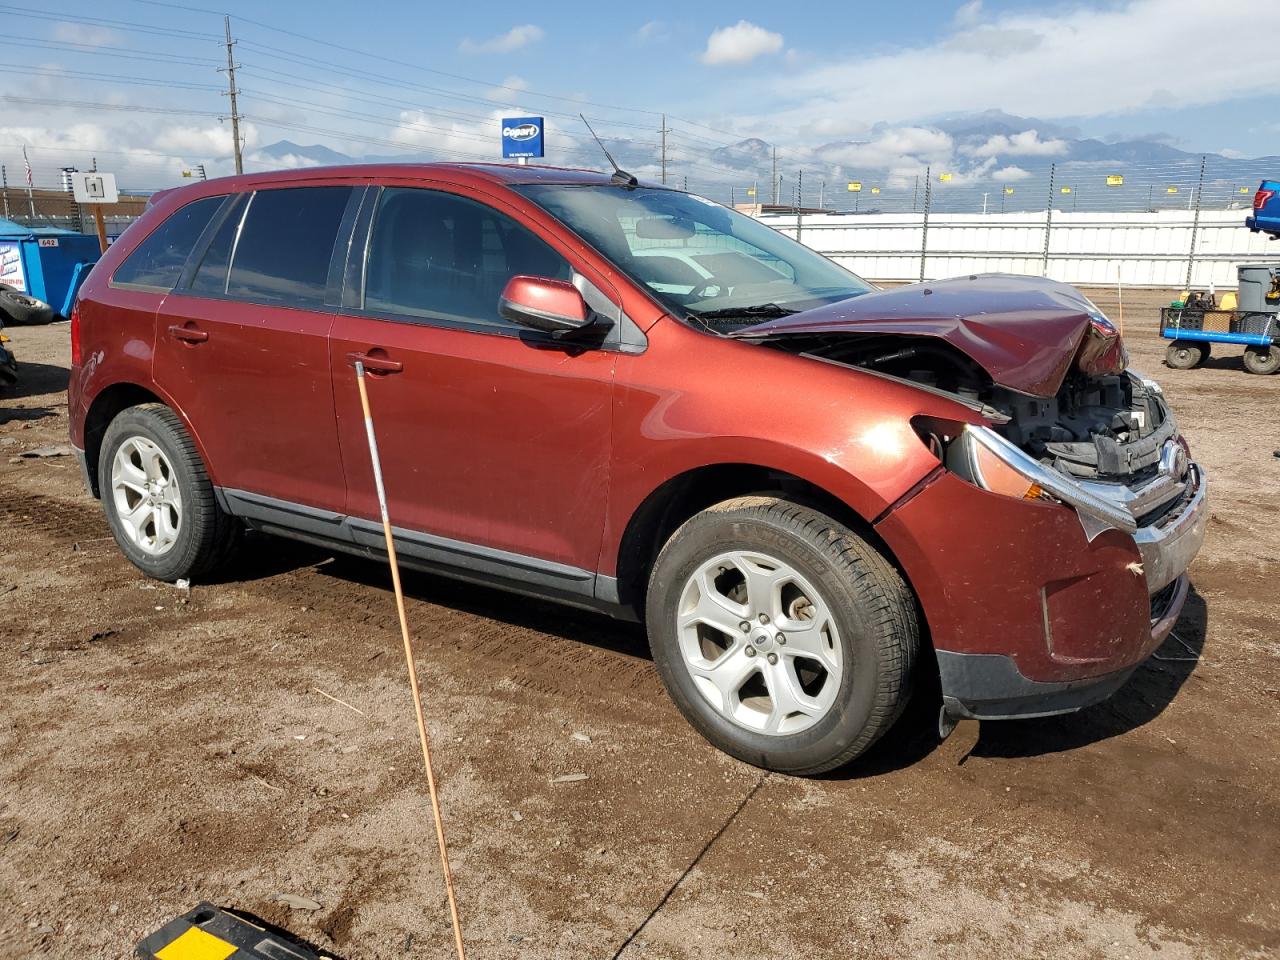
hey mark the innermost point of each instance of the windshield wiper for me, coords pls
(762, 310)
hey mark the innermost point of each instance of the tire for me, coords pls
(185, 534)
(1262, 360)
(861, 623)
(1185, 354)
(23, 309)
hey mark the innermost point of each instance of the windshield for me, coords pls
(704, 261)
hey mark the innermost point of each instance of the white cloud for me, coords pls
(86, 34)
(1088, 59)
(513, 39)
(655, 31)
(1009, 174)
(970, 13)
(509, 91)
(741, 43)
(1026, 143)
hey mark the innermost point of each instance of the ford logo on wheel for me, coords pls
(526, 131)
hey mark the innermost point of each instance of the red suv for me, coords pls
(633, 399)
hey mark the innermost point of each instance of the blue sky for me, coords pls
(393, 76)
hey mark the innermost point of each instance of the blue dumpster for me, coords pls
(48, 263)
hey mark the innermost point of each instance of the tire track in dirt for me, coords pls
(500, 636)
(58, 518)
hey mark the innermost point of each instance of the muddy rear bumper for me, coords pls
(988, 686)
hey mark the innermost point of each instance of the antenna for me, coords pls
(619, 175)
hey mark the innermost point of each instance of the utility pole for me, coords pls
(822, 189)
(915, 193)
(777, 184)
(1195, 224)
(232, 92)
(664, 131)
(984, 203)
(686, 183)
(799, 189)
(4, 180)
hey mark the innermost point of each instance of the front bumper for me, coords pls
(1029, 614)
(987, 686)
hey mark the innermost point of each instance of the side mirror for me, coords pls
(552, 306)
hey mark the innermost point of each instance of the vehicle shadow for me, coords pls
(262, 556)
(36, 379)
(1149, 691)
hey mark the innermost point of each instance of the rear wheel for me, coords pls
(158, 498)
(1262, 360)
(1186, 354)
(783, 637)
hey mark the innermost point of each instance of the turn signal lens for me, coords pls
(998, 477)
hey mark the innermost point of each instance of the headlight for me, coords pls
(986, 459)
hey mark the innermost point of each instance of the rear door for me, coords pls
(242, 344)
(495, 442)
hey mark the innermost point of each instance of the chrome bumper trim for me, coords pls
(1169, 546)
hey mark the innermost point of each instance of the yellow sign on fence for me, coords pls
(1171, 190)
(875, 189)
(751, 191)
(855, 186)
(1115, 180)
(1066, 189)
(944, 177)
(1008, 191)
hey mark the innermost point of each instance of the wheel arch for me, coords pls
(108, 404)
(688, 493)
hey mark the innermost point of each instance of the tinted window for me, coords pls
(158, 260)
(211, 275)
(285, 245)
(442, 256)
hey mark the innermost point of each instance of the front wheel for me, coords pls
(783, 637)
(157, 496)
(1262, 360)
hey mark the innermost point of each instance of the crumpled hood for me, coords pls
(1025, 332)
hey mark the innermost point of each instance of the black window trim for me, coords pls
(115, 284)
(622, 334)
(333, 283)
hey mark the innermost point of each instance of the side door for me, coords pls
(242, 345)
(495, 441)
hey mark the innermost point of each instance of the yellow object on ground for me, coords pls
(196, 944)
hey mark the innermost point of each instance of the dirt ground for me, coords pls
(158, 749)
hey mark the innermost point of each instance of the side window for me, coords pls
(158, 260)
(437, 255)
(211, 275)
(285, 244)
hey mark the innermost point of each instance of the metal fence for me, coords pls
(1164, 249)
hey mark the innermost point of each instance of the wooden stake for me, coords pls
(408, 656)
(102, 226)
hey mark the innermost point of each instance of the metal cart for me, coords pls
(1198, 323)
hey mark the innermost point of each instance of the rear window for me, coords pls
(285, 244)
(158, 260)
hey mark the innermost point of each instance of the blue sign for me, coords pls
(522, 137)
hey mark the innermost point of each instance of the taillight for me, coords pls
(75, 334)
(1262, 198)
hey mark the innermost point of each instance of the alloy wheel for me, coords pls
(760, 643)
(146, 495)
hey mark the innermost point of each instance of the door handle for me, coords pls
(188, 334)
(375, 364)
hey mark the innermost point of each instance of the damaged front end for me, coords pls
(1060, 423)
